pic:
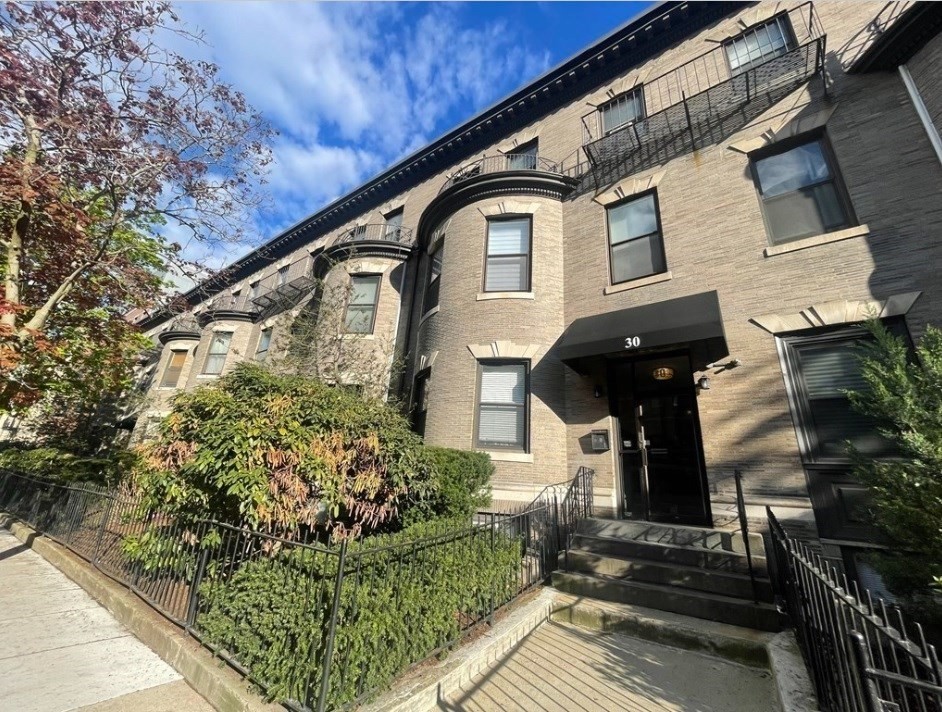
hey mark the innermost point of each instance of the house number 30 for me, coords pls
(632, 342)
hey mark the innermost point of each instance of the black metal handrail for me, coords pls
(744, 529)
(378, 232)
(860, 653)
(504, 162)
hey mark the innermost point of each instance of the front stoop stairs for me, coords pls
(692, 571)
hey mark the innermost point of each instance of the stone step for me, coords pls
(742, 645)
(709, 559)
(697, 604)
(726, 583)
(673, 534)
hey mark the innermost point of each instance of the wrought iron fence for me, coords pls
(379, 232)
(864, 656)
(206, 576)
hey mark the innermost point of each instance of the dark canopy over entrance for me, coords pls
(693, 321)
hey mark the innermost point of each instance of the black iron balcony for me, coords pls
(283, 289)
(377, 232)
(505, 162)
(708, 98)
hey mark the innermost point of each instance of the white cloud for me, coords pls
(353, 87)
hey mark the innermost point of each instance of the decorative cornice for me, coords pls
(344, 251)
(211, 315)
(168, 336)
(458, 195)
(627, 188)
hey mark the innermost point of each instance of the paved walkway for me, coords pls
(561, 668)
(60, 650)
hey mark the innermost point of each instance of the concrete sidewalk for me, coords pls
(561, 668)
(60, 650)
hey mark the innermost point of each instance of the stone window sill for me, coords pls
(640, 282)
(815, 240)
(429, 313)
(484, 296)
(355, 337)
(499, 456)
(208, 375)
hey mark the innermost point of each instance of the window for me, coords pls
(394, 225)
(801, 191)
(361, 309)
(253, 290)
(264, 341)
(508, 255)
(523, 157)
(502, 406)
(218, 348)
(634, 235)
(282, 276)
(759, 44)
(820, 369)
(173, 370)
(420, 401)
(623, 110)
(434, 277)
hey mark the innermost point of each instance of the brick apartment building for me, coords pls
(653, 261)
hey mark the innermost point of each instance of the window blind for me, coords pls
(508, 248)
(502, 411)
(174, 369)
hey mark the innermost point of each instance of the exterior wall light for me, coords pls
(599, 440)
(703, 383)
(663, 373)
(597, 392)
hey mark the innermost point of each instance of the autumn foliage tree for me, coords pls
(109, 142)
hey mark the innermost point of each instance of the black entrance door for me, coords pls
(662, 462)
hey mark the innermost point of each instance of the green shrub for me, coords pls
(281, 452)
(63, 466)
(460, 484)
(397, 606)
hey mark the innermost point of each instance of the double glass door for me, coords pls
(660, 451)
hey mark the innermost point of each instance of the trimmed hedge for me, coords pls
(460, 484)
(397, 606)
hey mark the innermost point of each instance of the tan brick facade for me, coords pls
(714, 238)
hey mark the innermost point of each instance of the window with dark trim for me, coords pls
(624, 110)
(820, 368)
(503, 405)
(636, 246)
(523, 157)
(430, 300)
(174, 368)
(253, 290)
(218, 349)
(361, 308)
(282, 276)
(507, 267)
(801, 190)
(394, 224)
(264, 341)
(759, 44)
(420, 400)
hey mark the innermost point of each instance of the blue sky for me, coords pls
(351, 87)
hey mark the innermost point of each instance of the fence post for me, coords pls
(193, 601)
(332, 630)
(865, 685)
(106, 515)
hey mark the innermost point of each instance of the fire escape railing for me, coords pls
(706, 99)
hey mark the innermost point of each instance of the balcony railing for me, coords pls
(706, 99)
(502, 163)
(284, 287)
(377, 232)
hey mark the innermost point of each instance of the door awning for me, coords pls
(693, 321)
